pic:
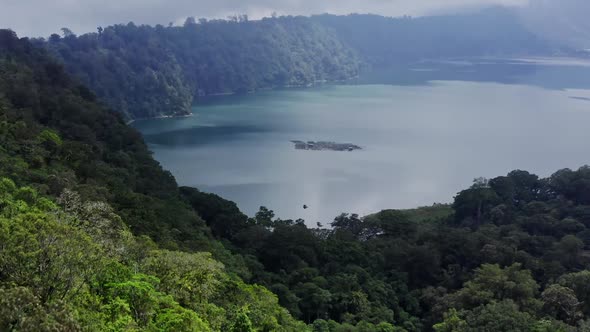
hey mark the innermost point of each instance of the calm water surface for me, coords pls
(426, 131)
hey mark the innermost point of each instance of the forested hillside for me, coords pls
(94, 235)
(90, 225)
(146, 71)
(385, 41)
(510, 254)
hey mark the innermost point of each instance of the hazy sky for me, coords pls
(43, 17)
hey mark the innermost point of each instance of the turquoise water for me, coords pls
(422, 143)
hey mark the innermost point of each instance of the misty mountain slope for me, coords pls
(146, 71)
(565, 21)
(382, 40)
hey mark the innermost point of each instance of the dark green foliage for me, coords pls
(73, 268)
(146, 71)
(21, 310)
(498, 256)
(223, 218)
(242, 323)
(94, 235)
(53, 136)
(80, 180)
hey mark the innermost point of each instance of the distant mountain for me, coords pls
(496, 31)
(564, 22)
(96, 236)
(145, 71)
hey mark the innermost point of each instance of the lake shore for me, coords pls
(160, 117)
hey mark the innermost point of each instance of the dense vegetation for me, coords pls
(146, 71)
(75, 184)
(510, 254)
(94, 235)
(385, 41)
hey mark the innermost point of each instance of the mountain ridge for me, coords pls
(146, 71)
(95, 235)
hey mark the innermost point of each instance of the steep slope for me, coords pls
(146, 71)
(78, 189)
(510, 254)
(75, 183)
(56, 136)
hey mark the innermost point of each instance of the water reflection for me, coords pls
(545, 73)
(425, 136)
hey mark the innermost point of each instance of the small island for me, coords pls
(322, 146)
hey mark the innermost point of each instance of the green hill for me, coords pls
(95, 236)
(146, 71)
(89, 222)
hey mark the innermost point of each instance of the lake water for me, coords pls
(427, 130)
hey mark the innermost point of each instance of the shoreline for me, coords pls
(278, 87)
(233, 93)
(160, 117)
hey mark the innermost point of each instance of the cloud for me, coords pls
(564, 21)
(42, 17)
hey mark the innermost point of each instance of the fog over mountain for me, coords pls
(557, 20)
(564, 21)
(41, 18)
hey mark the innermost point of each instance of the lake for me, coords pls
(426, 129)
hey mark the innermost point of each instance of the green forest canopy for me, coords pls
(145, 71)
(96, 236)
